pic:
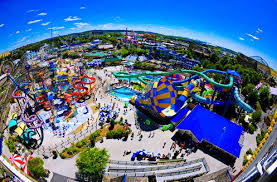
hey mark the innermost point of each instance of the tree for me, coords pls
(256, 117)
(253, 98)
(124, 52)
(35, 166)
(248, 89)
(264, 97)
(91, 162)
(112, 124)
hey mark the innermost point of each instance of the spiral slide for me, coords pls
(86, 90)
(31, 119)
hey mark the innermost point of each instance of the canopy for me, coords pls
(16, 160)
(12, 123)
(21, 128)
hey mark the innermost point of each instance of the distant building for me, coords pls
(95, 55)
(111, 60)
(105, 46)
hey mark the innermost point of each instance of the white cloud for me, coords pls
(32, 10)
(42, 14)
(259, 30)
(23, 38)
(17, 32)
(240, 38)
(29, 11)
(46, 23)
(29, 30)
(81, 25)
(117, 19)
(73, 28)
(34, 21)
(83, 7)
(254, 37)
(1, 25)
(56, 28)
(72, 18)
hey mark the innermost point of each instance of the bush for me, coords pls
(245, 160)
(117, 134)
(93, 137)
(35, 166)
(81, 143)
(249, 151)
(256, 117)
(112, 124)
(259, 137)
(11, 144)
(62, 155)
(71, 150)
(252, 129)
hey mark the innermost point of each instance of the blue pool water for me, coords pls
(123, 93)
(132, 79)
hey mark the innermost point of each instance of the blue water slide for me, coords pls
(240, 102)
(204, 100)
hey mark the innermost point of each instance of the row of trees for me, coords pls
(262, 96)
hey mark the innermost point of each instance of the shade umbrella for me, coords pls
(25, 168)
(16, 160)
(109, 116)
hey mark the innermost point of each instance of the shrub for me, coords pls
(259, 137)
(117, 134)
(252, 128)
(112, 124)
(35, 166)
(256, 117)
(72, 150)
(245, 160)
(93, 137)
(11, 144)
(249, 151)
(81, 143)
(62, 155)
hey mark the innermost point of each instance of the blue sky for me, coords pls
(247, 26)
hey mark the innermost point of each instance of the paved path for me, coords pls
(270, 141)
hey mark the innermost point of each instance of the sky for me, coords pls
(247, 26)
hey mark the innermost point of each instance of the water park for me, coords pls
(155, 114)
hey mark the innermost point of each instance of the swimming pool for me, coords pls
(123, 93)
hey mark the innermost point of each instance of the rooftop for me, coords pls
(215, 129)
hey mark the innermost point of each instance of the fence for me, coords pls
(67, 142)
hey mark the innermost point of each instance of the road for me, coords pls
(270, 141)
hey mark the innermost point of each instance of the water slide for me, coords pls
(240, 102)
(31, 119)
(123, 74)
(168, 112)
(86, 90)
(204, 100)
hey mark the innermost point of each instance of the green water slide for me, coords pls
(123, 74)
